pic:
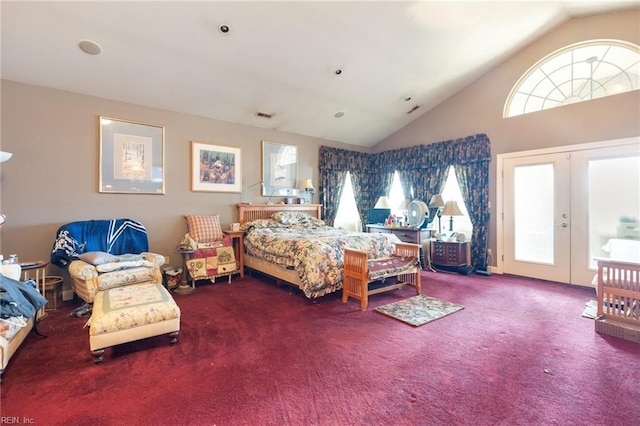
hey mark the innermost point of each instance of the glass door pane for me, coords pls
(614, 209)
(534, 202)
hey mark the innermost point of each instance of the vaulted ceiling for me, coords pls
(348, 71)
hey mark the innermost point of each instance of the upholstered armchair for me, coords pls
(14, 329)
(212, 253)
(104, 254)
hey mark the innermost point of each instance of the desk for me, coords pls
(39, 268)
(407, 234)
(237, 239)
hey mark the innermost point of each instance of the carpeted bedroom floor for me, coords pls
(252, 352)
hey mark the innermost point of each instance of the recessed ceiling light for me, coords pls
(90, 47)
(338, 114)
(338, 71)
(224, 29)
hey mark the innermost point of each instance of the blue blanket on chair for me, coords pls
(114, 236)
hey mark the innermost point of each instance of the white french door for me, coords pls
(537, 217)
(560, 210)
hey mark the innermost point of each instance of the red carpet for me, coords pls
(251, 353)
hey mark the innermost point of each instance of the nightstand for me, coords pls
(237, 239)
(450, 253)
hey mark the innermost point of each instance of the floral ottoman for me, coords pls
(129, 313)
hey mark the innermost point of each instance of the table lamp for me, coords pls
(261, 183)
(307, 187)
(451, 209)
(437, 202)
(383, 203)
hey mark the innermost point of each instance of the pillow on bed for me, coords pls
(297, 219)
(312, 223)
(261, 223)
(97, 257)
(291, 218)
(204, 228)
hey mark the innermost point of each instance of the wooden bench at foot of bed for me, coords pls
(359, 272)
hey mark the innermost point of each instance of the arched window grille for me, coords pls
(576, 73)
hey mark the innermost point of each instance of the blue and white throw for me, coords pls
(114, 236)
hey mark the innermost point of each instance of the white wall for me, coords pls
(52, 178)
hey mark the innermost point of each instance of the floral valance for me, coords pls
(459, 151)
(343, 160)
(470, 149)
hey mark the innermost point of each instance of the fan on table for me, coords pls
(418, 213)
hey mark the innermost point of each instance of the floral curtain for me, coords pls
(423, 167)
(334, 163)
(473, 179)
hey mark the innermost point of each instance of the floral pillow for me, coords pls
(261, 223)
(296, 218)
(204, 228)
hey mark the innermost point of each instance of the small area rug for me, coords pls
(419, 310)
(590, 309)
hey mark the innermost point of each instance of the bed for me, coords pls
(291, 243)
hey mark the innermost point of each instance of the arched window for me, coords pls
(576, 73)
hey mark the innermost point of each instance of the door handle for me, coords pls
(564, 224)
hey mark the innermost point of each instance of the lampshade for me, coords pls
(436, 201)
(307, 184)
(451, 209)
(4, 156)
(2, 219)
(383, 203)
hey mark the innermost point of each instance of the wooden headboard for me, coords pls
(249, 212)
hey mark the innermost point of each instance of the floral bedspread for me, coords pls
(313, 249)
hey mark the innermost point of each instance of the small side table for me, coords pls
(237, 239)
(39, 267)
(184, 287)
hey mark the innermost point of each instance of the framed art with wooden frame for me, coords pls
(131, 157)
(215, 168)
(279, 168)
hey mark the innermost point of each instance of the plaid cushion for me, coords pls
(204, 228)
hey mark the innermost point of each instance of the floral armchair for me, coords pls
(213, 255)
(104, 254)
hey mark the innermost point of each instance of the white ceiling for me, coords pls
(278, 57)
